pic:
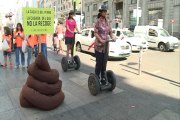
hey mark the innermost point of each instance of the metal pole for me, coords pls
(140, 59)
(81, 15)
(137, 17)
(172, 29)
(55, 11)
(39, 36)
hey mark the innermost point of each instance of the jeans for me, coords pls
(17, 51)
(44, 49)
(35, 50)
(29, 51)
(101, 64)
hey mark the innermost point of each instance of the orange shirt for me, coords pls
(8, 38)
(35, 39)
(31, 40)
(43, 38)
(18, 40)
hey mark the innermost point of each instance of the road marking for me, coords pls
(157, 71)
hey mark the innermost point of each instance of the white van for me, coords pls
(157, 37)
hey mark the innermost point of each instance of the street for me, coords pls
(152, 96)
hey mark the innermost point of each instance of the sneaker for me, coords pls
(16, 67)
(5, 65)
(23, 66)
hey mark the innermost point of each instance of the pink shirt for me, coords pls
(72, 26)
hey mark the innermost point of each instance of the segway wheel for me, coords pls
(64, 64)
(111, 79)
(93, 84)
(77, 61)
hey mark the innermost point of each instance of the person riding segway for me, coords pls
(102, 79)
(72, 62)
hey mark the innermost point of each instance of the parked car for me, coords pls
(128, 36)
(118, 49)
(157, 37)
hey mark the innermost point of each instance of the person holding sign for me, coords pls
(6, 37)
(42, 41)
(69, 34)
(30, 45)
(19, 37)
(35, 45)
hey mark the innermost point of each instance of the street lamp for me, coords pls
(137, 10)
(81, 14)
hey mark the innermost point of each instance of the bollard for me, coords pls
(140, 59)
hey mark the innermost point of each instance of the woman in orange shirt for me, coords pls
(19, 37)
(31, 41)
(7, 36)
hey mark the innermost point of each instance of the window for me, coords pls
(113, 31)
(94, 18)
(85, 33)
(106, 4)
(176, 2)
(95, 7)
(58, 9)
(153, 32)
(55, 3)
(118, 33)
(154, 15)
(133, 1)
(88, 8)
(58, 1)
(92, 34)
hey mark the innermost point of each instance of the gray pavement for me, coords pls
(135, 97)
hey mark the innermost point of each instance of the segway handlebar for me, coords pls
(111, 40)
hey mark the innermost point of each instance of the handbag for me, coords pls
(24, 46)
(5, 45)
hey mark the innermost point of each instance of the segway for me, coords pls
(96, 84)
(73, 63)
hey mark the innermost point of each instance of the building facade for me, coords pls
(61, 7)
(153, 12)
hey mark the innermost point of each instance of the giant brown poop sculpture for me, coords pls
(43, 88)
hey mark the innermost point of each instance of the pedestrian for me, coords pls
(102, 30)
(19, 37)
(30, 47)
(69, 34)
(60, 32)
(7, 53)
(10, 24)
(42, 41)
(55, 41)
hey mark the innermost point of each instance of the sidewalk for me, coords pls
(124, 103)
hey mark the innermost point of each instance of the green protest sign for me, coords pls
(38, 20)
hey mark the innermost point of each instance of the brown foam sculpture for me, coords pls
(42, 89)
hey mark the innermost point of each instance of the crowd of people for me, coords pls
(35, 43)
(15, 41)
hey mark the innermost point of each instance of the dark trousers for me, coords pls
(101, 63)
(12, 43)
